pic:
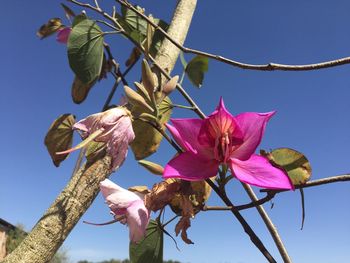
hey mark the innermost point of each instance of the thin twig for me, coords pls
(270, 226)
(261, 201)
(107, 24)
(328, 180)
(119, 77)
(263, 67)
(253, 237)
(97, 5)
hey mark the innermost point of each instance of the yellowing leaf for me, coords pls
(147, 138)
(60, 137)
(295, 164)
(49, 28)
(195, 70)
(80, 90)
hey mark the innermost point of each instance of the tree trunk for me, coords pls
(55, 225)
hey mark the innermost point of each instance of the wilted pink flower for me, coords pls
(112, 127)
(127, 206)
(224, 139)
(63, 35)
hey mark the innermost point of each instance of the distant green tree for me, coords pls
(121, 261)
(14, 238)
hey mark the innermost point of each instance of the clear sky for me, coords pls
(312, 117)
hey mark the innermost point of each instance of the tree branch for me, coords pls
(258, 202)
(270, 226)
(328, 180)
(263, 67)
(253, 237)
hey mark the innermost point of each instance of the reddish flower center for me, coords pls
(225, 141)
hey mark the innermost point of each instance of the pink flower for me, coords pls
(63, 35)
(112, 127)
(127, 206)
(224, 139)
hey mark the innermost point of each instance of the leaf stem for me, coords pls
(182, 107)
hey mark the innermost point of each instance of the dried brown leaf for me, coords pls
(183, 224)
(161, 194)
(141, 189)
(52, 26)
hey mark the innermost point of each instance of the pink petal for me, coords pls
(87, 125)
(259, 172)
(137, 219)
(253, 126)
(118, 150)
(225, 121)
(117, 132)
(63, 35)
(186, 132)
(116, 196)
(190, 167)
(124, 202)
(176, 135)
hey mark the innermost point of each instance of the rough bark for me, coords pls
(55, 225)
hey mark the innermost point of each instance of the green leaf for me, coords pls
(80, 90)
(137, 28)
(137, 36)
(295, 164)
(78, 19)
(85, 50)
(158, 36)
(60, 137)
(147, 138)
(133, 20)
(195, 70)
(149, 249)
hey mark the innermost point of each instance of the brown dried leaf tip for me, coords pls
(162, 194)
(165, 193)
(183, 224)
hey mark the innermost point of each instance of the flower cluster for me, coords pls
(218, 139)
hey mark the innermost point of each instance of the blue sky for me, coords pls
(312, 117)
